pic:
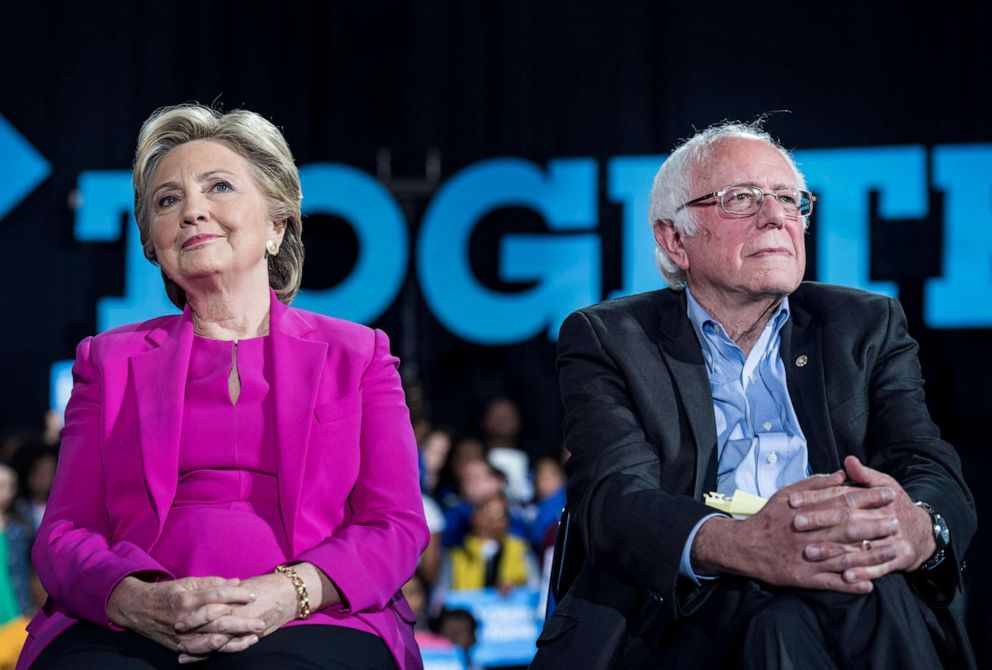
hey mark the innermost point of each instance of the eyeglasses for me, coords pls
(744, 200)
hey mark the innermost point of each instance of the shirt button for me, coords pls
(753, 378)
(772, 458)
(767, 425)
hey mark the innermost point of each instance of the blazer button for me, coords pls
(657, 597)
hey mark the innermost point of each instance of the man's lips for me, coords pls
(198, 239)
(771, 251)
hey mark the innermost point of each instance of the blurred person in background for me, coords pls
(549, 500)
(464, 449)
(434, 450)
(480, 481)
(16, 602)
(35, 463)
(489, 556)
(459, 627)
(16, 535)
(237, 484)
(501, 426)
(430, 560)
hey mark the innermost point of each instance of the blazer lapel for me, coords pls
(683, 355)
(160, 385)
(802, 355)
(297, 365)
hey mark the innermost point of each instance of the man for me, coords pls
(744, 377)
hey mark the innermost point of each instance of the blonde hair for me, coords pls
(253, 138)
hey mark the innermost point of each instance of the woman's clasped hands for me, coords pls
(198, 616)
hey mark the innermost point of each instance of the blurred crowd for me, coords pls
(492, 509)
(27, 468)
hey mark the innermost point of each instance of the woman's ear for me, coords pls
(278, 231)
(669, 240)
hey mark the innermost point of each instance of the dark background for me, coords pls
(469, 81)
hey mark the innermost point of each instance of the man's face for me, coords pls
(735, 259)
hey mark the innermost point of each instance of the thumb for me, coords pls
(862, 474)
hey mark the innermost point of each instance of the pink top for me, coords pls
(228, 491)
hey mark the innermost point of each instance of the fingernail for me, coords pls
(802, 521)
(796, 499)
(814, 552)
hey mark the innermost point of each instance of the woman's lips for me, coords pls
(198, 239)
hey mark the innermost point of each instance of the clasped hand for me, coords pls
(862, 533)
(822, 534)
(199, 616)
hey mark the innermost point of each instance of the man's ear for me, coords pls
(669, 240)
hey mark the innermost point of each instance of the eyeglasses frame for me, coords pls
(754, 189)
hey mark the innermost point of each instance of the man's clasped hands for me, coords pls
(835, 532)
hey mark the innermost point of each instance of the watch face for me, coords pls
(940, 531)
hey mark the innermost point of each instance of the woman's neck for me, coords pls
(230, 315)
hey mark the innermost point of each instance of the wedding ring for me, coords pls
(866, 545)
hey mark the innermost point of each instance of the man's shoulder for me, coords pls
(639, 306)
(829, 302)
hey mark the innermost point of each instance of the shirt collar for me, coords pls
(709, 329)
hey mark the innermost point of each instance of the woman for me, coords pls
(237, 483)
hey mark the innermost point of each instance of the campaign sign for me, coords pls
(442, 658)
(508, 625)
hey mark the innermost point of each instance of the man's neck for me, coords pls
(742, 321)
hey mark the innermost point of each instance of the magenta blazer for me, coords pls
(348, 472)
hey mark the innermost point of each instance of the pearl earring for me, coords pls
(272, 247)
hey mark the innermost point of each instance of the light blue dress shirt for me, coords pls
(760, 445)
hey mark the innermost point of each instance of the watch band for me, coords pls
(941, 536)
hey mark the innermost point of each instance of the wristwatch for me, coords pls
(941, 536)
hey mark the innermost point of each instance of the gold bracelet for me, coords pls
(302, 599)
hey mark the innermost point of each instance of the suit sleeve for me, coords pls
(907, 446)
(375, 553)
(78, 563)
(631, 527)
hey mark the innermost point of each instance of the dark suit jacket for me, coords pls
(640, 425)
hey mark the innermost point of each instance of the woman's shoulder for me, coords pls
(124, 339)
(138, 329)
(335, 329)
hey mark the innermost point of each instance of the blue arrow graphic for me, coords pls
(21, 167)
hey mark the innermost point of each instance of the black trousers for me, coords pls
(745, 624)
(86, 646)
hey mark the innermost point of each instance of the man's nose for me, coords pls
(772, 213)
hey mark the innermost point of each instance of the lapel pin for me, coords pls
(802, 361)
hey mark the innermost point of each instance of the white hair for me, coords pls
(673, 185)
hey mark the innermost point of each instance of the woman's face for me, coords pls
(209, 222)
